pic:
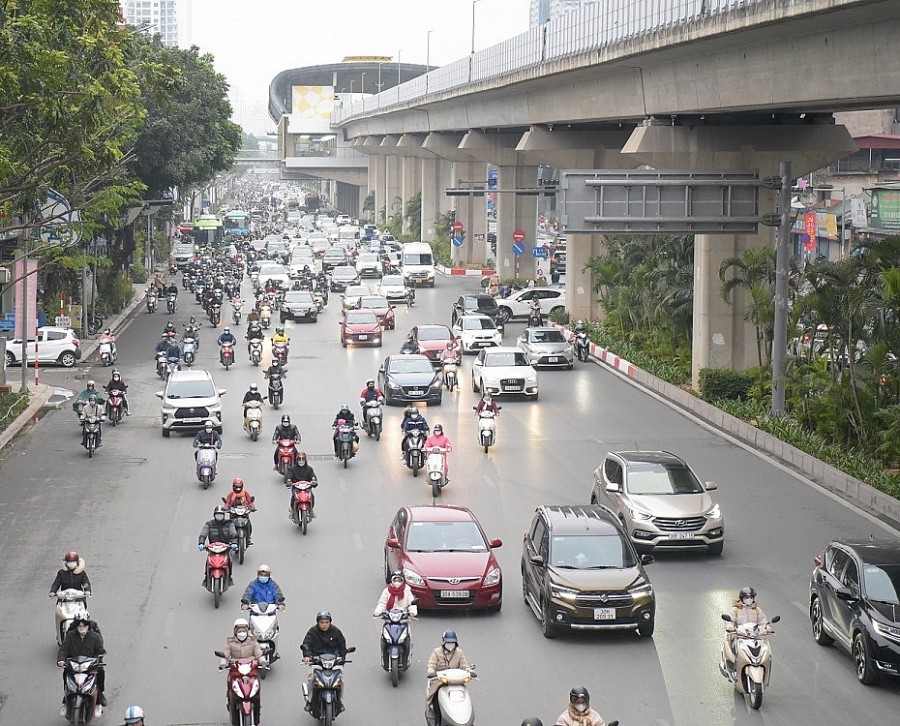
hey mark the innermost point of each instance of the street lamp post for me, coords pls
(399, 51)
(474, 2)
(362, 83)
(428, 50)
(352, 81)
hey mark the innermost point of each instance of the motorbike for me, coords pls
(240, 517)
(452, 704)
(171, 302)
(81, 688)
(449, 368)
(255, 351)
(90, 433)
(207, 460)
(753, 660)
(264, 625)
(487, 428)
(302, 503)
(152, 302)
(70, 603)
(280, 353)
(189, 349)
(434, 469)
(535, 319)
(236, 311)
(328, 684)
(218, 570)
(582, 345)
(226, 355)
(172, 364)
(185, 281)
(372, 418)
(265, 316)
(243, 690)
(287, 455)
(276, 390)
(215, 314)
(108, 353)
(254, 280)
(395, 643)
(415, 457)
(347, 446)
(253, 419)
(161, 364)
(115, 407)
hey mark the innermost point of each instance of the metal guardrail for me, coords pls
(593, 27)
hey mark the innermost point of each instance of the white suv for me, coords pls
(190, 398)
(55, 345)
(518, 305)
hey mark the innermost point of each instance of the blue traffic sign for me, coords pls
(539, 252)
(458, 240)
(518, 248)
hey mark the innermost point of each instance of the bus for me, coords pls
(236, 222)
(208, 230)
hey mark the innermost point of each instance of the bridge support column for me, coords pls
(376, 183)
(582, 301)
(410, 184)
(393, 187)
(515, 212)
(433, 173)
(471, 211)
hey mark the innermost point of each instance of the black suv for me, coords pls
(480, 303)
(581, 572)
(854, 597)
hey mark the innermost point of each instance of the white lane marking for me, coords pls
(357, 541)
(169, 627)
(489, 481)
(800, 606)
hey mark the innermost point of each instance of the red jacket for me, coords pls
(235, 499)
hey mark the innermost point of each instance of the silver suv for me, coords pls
(190, 398)
(659, 501)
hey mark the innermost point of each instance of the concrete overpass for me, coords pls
(682, 84)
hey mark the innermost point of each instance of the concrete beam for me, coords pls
(412, 145)
(567, 149)
(497, 149)
(446, 146)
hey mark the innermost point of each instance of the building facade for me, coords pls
(158, 16)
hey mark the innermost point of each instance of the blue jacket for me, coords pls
(258, 592)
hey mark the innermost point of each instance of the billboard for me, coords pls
(885, 209)
(311, 108)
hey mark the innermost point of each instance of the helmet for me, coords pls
(285, 420)
(83, 617)
(92, 398)
(217, 511)
(208, 425)
(71, 557)
(301, 458)
(237, 485)
(450, 345)
(115, 372)
(345, 407)
(91, 385)
(263, 570)
(398, 573)
(579, 692)
(133, 714)
(226, 331)
(487, 396)
(438, 429)
(449, 636)
(747, 591)
(254, 388)
(414, 413)
(276, 364)
(532, 722)
(165, 336)
(107, 331)
(370, 383)
(323, 615)
(240, 623)
(279, 330)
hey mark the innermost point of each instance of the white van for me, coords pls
(417, 263)
(183, 252)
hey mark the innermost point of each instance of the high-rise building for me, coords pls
(157, 16)
(544, 10)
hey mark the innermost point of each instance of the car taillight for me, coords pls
(75, 342)
(817, 560)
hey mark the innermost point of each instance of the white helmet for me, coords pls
(241, 623)
(133, 714)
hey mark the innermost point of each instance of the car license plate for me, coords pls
(362, 337)
(416, 393)
(512, 388)
(191, 420)
(682, 535)
(553, 359)
(604, 613)
(455, 594)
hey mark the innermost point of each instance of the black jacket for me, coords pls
(74, 645)
(302, 473)
(318, 642)
(71, 580)
(289, 432)
(218, 532)
(252, 396)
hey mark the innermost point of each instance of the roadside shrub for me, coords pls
(559, 316)
(717, 383)
(138, 273)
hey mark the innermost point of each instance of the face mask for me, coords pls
(748, 601)
(71, 565)
(581, 707)
(82, 630)
(241, 635)
(397, 583)
(449, 647)
(263, 579)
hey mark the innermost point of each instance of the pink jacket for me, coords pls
(438, 440)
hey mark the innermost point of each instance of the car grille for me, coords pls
(687, 524)
(512, 384)
(418, 276)
(560, 358)
(201, 412)
(603, 599)
(415, 391)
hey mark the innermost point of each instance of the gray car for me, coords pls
(299, 305)
(546, 347)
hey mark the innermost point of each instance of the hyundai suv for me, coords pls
(189, 400)
(581, 572)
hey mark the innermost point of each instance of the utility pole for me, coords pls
(782, 263)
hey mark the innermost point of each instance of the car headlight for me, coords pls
(413, 577)
(888, 631)
(563, 593)
(492, 577)
(393, 386)
(713, 512)
(643, 590)
(436, 383)
(639, 516)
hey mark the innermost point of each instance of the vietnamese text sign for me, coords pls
(886, 208)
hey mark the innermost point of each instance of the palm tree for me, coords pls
(754, 273)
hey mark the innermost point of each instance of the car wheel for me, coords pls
(166, 433)
(716, 549)
(282, 318)
(505, 315)
(865, 670)
(818, 623)
(67, 359)
(547, 627)
(10, 358)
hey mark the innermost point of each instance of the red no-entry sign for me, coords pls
(519, 236)
(457, 226)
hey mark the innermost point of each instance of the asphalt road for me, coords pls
(134, 512)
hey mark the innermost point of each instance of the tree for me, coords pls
(250, 142)
(413, 214)
(754, 273)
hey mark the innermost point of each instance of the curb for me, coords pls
(39, 397)
(867, 498)
(464, 271)
(116, 324)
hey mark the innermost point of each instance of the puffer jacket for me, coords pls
(404, 602)
(741, 615)
(235, 649)
(74, 645)
(267, 592)
(76, 579)
(571, 717)
(440, 660)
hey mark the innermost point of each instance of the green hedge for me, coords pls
(717, 383)
(11, 405)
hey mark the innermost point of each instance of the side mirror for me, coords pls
(844, 594)
(612, 487)
(159, 394)
(536, 560)
(223, 391)
(710, 486)
(351, 649)
(414, 601)
(219, 653)
(776, 619)
(496, 543)
(727, 618)
(252, 499)
(393, 544)
(647, 559)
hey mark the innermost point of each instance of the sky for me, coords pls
(253, 41)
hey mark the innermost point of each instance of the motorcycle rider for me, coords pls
(206, 436)
(252, 394)
(226, 337)
(281, 339)
(241, 644)
(82, 398)
(107, 337)
(169, 330)
(344, 417)
(412, 420)
(321, 638)
(438, 439)
(118, 386)
(262, 589)
(240, 497)
(172, 349)
(369, 393)
(744, 610)
(285, 430)
(71, 576)
(579, 712)
(83, 639)
(254, 331)
(162, 346)
(275, 367)
(409, 345)
(134, 716)
(487, 402)
(218, 529)
(92, 409)
(447, 655)
(397, 594)
(172, 289)
(302, 471)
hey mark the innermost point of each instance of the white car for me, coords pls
(55, 345)
(190, 399)
(275, 272)
(350, 297)
(342, 219)
(518, 305)
(504, 371)
(368, 264)
(393, 288)
(546, 347)
(319, 243)
(476, 332)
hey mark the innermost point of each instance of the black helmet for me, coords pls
(438, 429)
(285, 420)
(323, 615)
(747, 591)
(398, 573)
(449, 636)
(579, 692)
(532, 722)
(301, 458)
(217, 511)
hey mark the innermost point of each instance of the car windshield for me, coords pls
(335, 254)
(298, 297)
(415, 258)
(646, 477)
(361, 318)
(590, 552)
(435, 333)
(356, 291)
(882, 583)
(445, 537)
(190, 389)
(344, 272)
(478, 324)
(392, 281)
(368, 259)
(270, 270)
(374, 303)
(547, 336)
(497, 360)
(410, 365)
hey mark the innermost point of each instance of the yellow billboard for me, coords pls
(311, 108)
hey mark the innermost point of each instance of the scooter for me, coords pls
(243, 690)
(240, 517)
(152, 302)
(161, 364)
(753, 660)
(487, 428)
(264, 625)
(253, 419)
(265, 316)
(90, 433)
(582, 345)
(226, 355)
(108, 353)
(81, 689)
(115, 406)
(255, 351)
(215, 314)
(236, 311)
(372, 418)
(276, 390)
(325, 703)
(415, 457)
(207, 460)
(450, 368)
(434, 469)
(395, 643)
(280, 353)
(171, 303)
(70, 603)
(218, 570)
(287, 455)
(302, 503)
(535, 319)
(172, 364)
(189, 350)
(452, 704)
(347, 445)
(254, 280)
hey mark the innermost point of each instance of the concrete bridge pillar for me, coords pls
(515, 212)
(471, 211)
(393, 187)
(582, 301)
(410, 184)
(435, 179)
(376, 182)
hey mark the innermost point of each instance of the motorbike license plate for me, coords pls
(682, 535)
(455, 594)
(604, 613)
(362, 337)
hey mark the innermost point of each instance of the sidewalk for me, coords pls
(117, 324)
(39, 395)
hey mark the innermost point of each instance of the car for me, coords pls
(393, 288)
(360, 327)
(478, 303)
(299, 305)
(432, 340)
(409, 378)
(368, 264)
(854, 601)
(342, 219)
(318, 242)
(333, 257)
(303, 255)
(504, 370)
(447, 560)
(381, 307)
(189, 399)
(581, 572)
(275, 272)
(476, 332)
(558, 261)
(518, 305)
(386, 237)
(352, 294)
(54, 345)
(546, 347)
(659, 501)
(343, 277)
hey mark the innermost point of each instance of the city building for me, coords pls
(157, 16)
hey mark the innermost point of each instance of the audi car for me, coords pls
(504, 371)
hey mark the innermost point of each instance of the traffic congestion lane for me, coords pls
(144, 523)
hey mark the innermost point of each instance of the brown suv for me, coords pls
(580, 571)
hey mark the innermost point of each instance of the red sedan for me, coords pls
(445, 556)
(379, 305)
(360, 327)
(432, 340)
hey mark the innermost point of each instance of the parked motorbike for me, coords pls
(236, 311)
(255, 351)
(396, 643)
(276, 390)
(243, 690)
(452, 704)
(171, 303)
(487, 428)
(347, 445)
(80, 678)
(253, 419)
(115, 407)
(218, 570)
(302, 503)
(372, 418)
(90, 433)
(415, 457)
(152, 302)
(753, 660)
(434, 469)
(108, 353)
(449, 369)
(240, 517)
(189, 349)
(287, 455)
(582, 344)
(207, 461)
(226, 355)
(70, 603)
(264, 625)
(280, 353)
(325, 701)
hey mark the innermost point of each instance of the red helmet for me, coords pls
(71, 557)
(237, 485)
